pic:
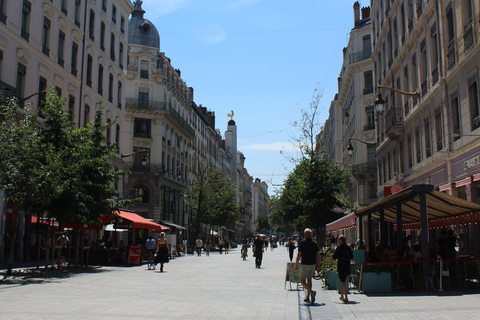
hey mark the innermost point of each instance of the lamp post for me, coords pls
(179, 172)
(144, 160)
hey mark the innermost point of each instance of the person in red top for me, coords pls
(309, 255)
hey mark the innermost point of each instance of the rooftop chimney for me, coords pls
(365, 13)
(356, 13)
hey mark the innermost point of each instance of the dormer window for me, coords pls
(145, 27)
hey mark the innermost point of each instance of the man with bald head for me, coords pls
(309, 255)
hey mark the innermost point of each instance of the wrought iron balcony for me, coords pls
(468, 35)
(7, 90)
(424, 88)
(366, 168)
(46, 50)
(159, 106)
(368, 89)
(394, 122)
(25, 35)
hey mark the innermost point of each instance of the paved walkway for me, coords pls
(215, 287)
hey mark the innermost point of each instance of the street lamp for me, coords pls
(179, 172)
(350, 146)
(379, 102)
(144, 160)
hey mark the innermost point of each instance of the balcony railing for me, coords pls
(77, 23)
(64, 10)
(419, 9)
(359, 56)
(406, 108)
(393, 117)
(74, 72)
(160, 106)
(7, 90)
(370, 126)
(46, 50)
(61, 62)
(3, 18)
(365, 168)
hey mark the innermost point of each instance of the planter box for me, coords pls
(373, 282)
(332, 280)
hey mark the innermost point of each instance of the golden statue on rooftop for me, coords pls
(230, 115)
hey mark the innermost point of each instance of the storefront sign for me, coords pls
(471, 163)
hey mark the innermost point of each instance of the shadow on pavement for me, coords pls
(39, 276)
(436, 293)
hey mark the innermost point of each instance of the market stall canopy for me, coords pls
(346, 221)
(139, 222)
(439, 205)
(171, 224)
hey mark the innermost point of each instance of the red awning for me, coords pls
(346, 221)
(139, 222)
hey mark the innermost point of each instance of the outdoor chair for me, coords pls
(405, 275)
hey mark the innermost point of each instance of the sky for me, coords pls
(262, 59)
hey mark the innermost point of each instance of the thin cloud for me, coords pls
(212, 34)
(277, 146)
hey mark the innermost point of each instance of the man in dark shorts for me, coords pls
(309, 255)
(258, 251)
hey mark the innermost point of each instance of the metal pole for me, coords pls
(425, 238)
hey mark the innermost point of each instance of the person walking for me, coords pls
(343, 254)
(162, 251)
(150, 246)
(258, 251)
(198, 246)
(62, 243)
(291, 248)
(226, 244)
(309, 255)
(207, 244)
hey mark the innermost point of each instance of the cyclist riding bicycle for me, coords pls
(150, 244)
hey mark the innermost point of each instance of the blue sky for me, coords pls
(260, 58)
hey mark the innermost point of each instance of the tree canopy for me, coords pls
(48, 165)
(211, 197)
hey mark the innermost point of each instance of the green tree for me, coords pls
(312, 191)
(211, 197)
(263, 223)
(49, 166)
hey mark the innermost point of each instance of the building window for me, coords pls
(114, 14)
(370, 118)
(119, 95)
(117, 134)
(439, 129)
(110, 88)
(46, 36)
(450, 36)
(409, 151)
(58, 90)
(428, 138)
(89, 70)
(434, 54)
(25, 22)
(20, 84)
(368, 79)
(104, 6)
(473, 101)
(112, 46)
(3, 11)
(74, 59)
(144, 70)
(86, 115)
(418, 147)
(91, 26)
(42, 86)
(109, 131)
(142, 99)
(77, 12)
(63, 7)
(140, 191)
(142, 128)
(122, 24)
(71, 107)
(401, 162)
(120, 55)
(100, 79)
(102, 36)
(455, 116)
(61, 48)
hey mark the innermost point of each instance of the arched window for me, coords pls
(140, 191)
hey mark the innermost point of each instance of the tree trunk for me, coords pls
(13, 239)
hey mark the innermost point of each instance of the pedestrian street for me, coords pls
(191, 287)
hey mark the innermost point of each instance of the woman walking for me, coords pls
(162, 251)
(343, 254)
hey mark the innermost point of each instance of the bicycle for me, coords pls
(151, 260)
